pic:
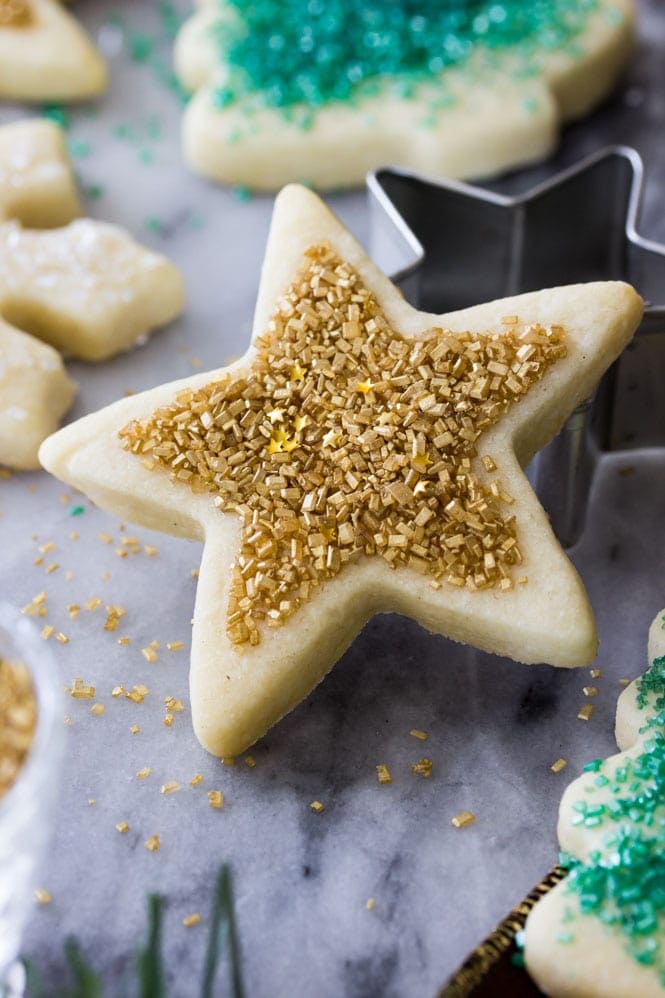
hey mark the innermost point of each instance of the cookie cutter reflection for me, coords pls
(449, 245)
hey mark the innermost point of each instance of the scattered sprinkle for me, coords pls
(42, 896)
(586, 712)
(190, 920)
(383, 774)
(195, 780)
(153, 843)
(423, 767)
(143, 773)
(216, 799)
(170, 787)
(420, 735)
(317, 807)
(122, 827)
(558, 765)
(463, 819)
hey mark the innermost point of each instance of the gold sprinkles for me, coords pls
(346, 439)
(586, 712)
(383, 774)
(18, 720)
(463, 819)
(558, 765)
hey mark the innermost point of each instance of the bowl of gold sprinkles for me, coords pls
(30, 737)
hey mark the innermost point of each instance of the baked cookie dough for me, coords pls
(45, 55)
(322, 93)
(84, 288)
(601, 932)
(361, 457)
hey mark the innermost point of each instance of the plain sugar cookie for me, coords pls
(323, 93)
(601, 932)
(45, 55)
(361, 457)
(84, 288)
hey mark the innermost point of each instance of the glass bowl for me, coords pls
(25, 808)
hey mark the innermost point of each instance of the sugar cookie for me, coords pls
(335, 471)
(325, 93)
(45, 55)
(86, 288)
(601, 932)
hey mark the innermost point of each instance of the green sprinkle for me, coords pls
(58, 114)
(93, 192)
(78, 148)
(140, 47)
(77, 510)
(517, 959)
(155, 224)
(286, 54)
(196, 220)
(242, 194)
(146, 156)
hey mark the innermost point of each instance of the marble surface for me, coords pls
(302, 880)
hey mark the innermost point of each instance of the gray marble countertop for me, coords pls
(302, 880)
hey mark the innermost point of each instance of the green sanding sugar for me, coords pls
(624, 884)
(314, 52)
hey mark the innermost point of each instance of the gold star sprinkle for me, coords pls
(463, 819)
(558, 765)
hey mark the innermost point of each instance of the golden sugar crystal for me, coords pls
(42, 896)
(422, 768)
(370, 904)
(595, 673)
(15, 14)
(195, 780)
(191, 920)
(216, 799)
(624, 682)
(170, 787)
(18, 718)
(122, 827)
(347, 438)
(383, 774)
(420, 735)
(97, 709)
(586, 712)
(153, 843)
(168, 721)
(317, 807)
(149, 654)
(135, 730)
(250, 761)
(143, 773)
(558, 765)
(174, 645)
(463, 819)
(590, 691)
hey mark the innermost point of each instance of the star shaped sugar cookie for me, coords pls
(601, 932)
(84, 288)
(361, 457)
(45, 55)
(323, 93)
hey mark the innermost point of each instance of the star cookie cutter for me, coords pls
(449, 245)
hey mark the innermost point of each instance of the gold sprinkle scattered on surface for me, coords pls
(624, 682)
(137, 694)
(595, 673)
(228, 760)
(124, 641)
(175, 645)
(74, 535)
(463, 819)
(122, 827)
(383, 774)
(370, 904)
(586, 712)
(73, 610)
(47, 631)
(385, 416)
(168, 721)
(216, 799)
(172, 705)
(195, 780)
(62, 638)
(97, 709)
(135, 730)
(153, 843)
(143, 773)
(150, 550)
(80, 690)
(170, 787)
(113, 616)
(590, 691)
(317, 807)
(18, 720)
(118, 691)
(558, 765)
(93, 603)
(190, 920)
(91, 801)
(149, 654)
(250, 761)
(106, 538)
(48, 546)
(420, 735)
(423, 767)
(42, 896)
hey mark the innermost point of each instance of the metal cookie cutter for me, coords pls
(449, 245)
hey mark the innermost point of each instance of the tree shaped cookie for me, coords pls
(45, 55)
(85, 289)
(324, 92)
(362, 456)
(601, 932)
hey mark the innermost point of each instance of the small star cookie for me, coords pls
(84, 288)
(601, 932)
(324, 94)
(361, 457)
(45, 55)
